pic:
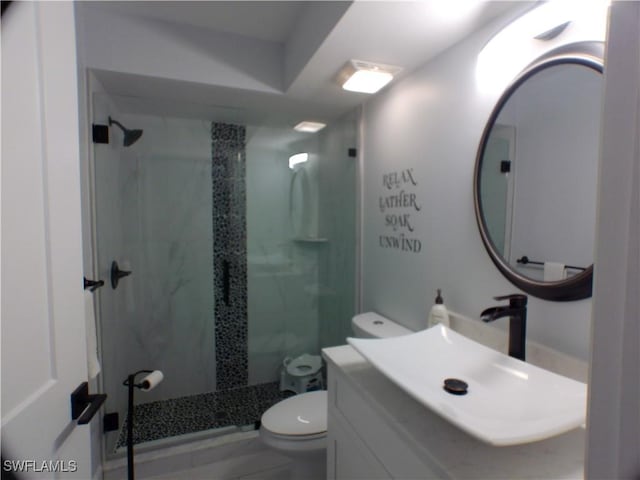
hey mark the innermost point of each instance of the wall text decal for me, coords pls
(398, 203)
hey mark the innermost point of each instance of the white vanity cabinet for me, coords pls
(361, 444)
(377, 431)
(348, 455)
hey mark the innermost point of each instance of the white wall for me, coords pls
(430, 124)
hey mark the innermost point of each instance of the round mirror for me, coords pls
(535, 177)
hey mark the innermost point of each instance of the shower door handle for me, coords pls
(226, 281)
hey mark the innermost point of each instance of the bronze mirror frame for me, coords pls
(588, 54)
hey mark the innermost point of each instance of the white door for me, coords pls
(43, 331)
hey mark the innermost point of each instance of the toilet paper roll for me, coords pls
(151, 381)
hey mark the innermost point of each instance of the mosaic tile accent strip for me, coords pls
(230, 255)
(177, 416)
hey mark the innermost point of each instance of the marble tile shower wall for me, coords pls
(154, 217)
(333, 173)
(283, 312)
(337, 219)
(301, 288)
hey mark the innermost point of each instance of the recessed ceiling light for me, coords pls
(366, 77)
(309, 126)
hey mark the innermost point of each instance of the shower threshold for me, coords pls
(179, 440)
(213, 414)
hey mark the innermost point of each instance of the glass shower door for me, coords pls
(154, 218)
(301, 244)
(225, 284)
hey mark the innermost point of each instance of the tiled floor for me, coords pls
(178, 416)
(247, 468)
(240, 455)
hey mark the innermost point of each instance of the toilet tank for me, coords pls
(372, 325)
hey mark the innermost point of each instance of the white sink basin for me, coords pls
(508, 402)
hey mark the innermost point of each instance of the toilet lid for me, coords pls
(304, 414)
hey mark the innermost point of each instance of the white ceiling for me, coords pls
(263, 20)
(403, 33)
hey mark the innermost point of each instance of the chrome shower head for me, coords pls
(130, 136)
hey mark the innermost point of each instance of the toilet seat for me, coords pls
(302, 416)
(297, 425)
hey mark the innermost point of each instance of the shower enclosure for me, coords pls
(237, 262)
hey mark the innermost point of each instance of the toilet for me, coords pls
(297, 426)
(372, 325)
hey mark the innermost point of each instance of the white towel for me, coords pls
(93, 364)
(554, 272)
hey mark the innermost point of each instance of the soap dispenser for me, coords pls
(438, 313)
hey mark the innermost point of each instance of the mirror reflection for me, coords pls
(536, 176)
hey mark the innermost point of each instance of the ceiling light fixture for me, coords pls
(310, 127)
(365, 77)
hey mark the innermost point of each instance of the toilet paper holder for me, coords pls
(150, 381)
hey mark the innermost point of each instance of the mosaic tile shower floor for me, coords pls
(178, 416)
